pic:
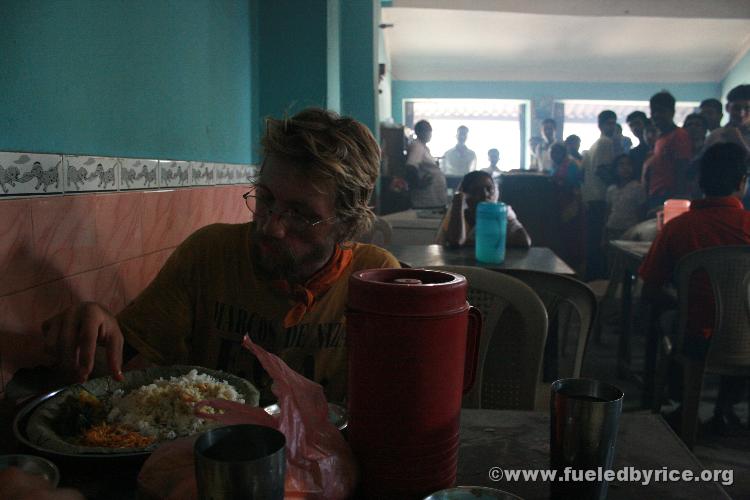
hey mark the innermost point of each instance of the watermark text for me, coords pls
(623, 475)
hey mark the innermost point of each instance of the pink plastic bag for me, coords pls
(320, 463)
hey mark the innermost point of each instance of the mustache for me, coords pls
(277, 261)
(278, 247)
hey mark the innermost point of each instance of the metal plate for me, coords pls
(19, 431)
(21, 421)
(336, 414)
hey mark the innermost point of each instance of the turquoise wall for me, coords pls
(256, 121)
(557, 90)
(334, 55)
(316, 53)
(740, 74)
(359, 60)
(292, 62)
(137, 78)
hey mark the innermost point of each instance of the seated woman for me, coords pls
(457, 228)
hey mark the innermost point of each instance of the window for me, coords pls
(581, 117)
(492, 123)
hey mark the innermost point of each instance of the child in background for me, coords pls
(457, 228)
(626, 200)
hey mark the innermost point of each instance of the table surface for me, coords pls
(411, 219)
(520, 440)
(635, 250)
(533, 259)
(489, 438)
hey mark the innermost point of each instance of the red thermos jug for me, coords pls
(413, 344)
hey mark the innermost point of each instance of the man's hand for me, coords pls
(16, 484)
(73, 336)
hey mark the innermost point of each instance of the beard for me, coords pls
(275, 260)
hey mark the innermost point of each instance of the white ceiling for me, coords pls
(566, 40)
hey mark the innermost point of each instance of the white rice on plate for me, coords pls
(165, 409)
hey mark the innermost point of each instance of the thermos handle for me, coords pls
(473, 333)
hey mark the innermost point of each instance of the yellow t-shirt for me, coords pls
(207, 297)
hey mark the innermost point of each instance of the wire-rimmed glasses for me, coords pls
(260, 207)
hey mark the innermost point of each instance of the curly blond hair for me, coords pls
(331, 150)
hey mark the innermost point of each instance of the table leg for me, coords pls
(649, 370)
(623, 347)
(550, 365)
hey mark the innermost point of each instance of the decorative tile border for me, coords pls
(90, 173)
(24, 174)
(138, 174)
(30, 173)
(203, 173)
(224, 174)
(246, 173)
(174, 173)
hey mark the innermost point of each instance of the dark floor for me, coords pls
(712, 450)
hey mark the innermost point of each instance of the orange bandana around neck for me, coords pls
(304, 295)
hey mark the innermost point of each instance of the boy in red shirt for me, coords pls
(716, 220)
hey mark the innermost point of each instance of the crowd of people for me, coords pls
(604, 190)
(614, 185)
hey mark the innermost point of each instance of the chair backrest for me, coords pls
(512, 340)
(380, 234)
(728, 269)
(561, 296)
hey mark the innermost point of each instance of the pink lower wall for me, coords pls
(60, 250)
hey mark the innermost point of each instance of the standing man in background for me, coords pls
(696, 127)
(737, 130)
(596, 164)
(573, 145)
(665, 172)
(637, 121)
(542, 161)
(427, 184)
(459, 160)
(493, 155)
(710, 109)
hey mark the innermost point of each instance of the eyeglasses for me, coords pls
(294, 221)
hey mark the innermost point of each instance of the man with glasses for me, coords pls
(281, 279)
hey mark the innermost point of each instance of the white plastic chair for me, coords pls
(728, 270)
(512, 341)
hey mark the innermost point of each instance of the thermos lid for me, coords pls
(407, 292)
(490, 206)
(677, 203)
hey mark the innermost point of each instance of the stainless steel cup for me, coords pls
(240, 462)
(34, 465)
(584, 419)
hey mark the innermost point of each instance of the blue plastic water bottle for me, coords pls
(489, 234)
